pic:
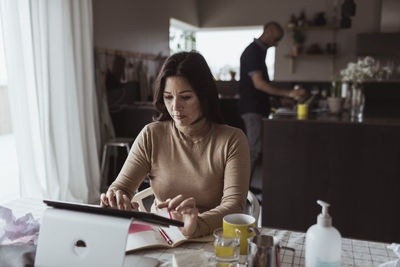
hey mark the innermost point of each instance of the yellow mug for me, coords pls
(242, 222)
(302, 111)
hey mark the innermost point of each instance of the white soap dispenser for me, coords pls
(323, 241)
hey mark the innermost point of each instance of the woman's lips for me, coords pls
(179, 117)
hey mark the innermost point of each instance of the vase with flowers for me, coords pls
(356, 73)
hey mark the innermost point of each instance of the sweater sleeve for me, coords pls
(137, 165)
(236, 185)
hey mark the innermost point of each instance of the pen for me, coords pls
(165, 236)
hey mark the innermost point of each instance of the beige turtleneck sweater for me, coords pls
(207, 161)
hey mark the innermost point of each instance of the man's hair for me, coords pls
(193, 67)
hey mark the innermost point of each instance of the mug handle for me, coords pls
(254, 230)
(292, 250)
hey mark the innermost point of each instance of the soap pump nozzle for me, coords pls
(324, 219)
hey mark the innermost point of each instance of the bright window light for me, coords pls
(222, 49)
(3, 71)
(9, 174)
(182, 36)
(181, 40)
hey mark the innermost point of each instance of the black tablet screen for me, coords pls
(141, 216)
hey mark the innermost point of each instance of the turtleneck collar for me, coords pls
(194, 132)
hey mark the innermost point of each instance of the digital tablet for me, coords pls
(141, 216)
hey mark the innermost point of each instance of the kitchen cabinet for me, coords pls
(353, 166)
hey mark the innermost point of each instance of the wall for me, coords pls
(139, 26)
(390, 19)
(228, 13)
(142, 26)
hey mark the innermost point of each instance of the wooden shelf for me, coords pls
(315, 28)
(330, 28)
(292, 59)
(311, 55)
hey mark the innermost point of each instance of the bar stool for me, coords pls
(105, 161)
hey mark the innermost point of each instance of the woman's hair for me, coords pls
(193, 67)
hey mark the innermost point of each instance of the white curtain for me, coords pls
(49, 58)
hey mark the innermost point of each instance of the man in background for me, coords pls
(255, 88)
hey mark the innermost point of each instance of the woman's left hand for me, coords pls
(182, 210)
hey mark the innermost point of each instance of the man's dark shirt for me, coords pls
(252, 60)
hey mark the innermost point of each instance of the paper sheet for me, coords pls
(23, 230)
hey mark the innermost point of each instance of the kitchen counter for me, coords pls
(343, 118)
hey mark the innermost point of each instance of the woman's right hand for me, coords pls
(117, 199)
(184, 210)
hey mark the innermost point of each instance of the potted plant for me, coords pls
(335, 98)
(299, 37)
(232, 72)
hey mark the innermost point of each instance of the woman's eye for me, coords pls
(183, 97)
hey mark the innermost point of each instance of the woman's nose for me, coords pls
(177, 105)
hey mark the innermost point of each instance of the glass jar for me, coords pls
(357, 102)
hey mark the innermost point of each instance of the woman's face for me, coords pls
(181, 101)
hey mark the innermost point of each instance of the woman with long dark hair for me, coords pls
(198, 167)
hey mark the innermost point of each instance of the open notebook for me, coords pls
(149, 236)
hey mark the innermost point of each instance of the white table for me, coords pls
(354, 252)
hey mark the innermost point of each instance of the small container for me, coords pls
(264, 251)
(335, 105)
(227, 249)
(302, 111)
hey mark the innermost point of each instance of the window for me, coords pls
(9, 180)
(222, 49)
(182, 36)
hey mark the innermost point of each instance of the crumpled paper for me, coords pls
(396, 263)
(24, 230)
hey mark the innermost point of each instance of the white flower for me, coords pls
(364, 69)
